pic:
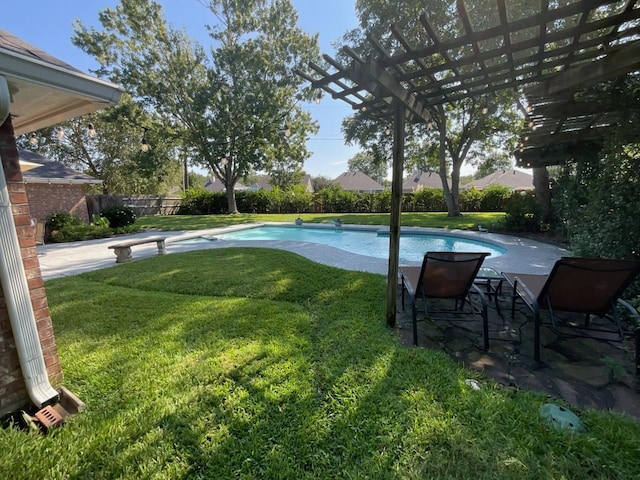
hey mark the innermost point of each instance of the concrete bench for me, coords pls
(123, 250)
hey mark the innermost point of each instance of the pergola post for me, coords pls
(396, 208)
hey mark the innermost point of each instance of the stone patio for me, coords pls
(585, 372)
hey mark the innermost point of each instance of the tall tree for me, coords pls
(227, 109)
(463, 131)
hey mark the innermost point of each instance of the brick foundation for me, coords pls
(13, 394)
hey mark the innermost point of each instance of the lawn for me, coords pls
(259, 364)
(409, 219)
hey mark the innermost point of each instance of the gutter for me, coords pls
(16, 291)
(53, 76)
(61, 181)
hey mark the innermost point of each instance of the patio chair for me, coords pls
(589, 286)
(445, 275)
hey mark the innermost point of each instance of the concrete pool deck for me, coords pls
(61, 259)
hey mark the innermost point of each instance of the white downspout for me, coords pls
(16, 290)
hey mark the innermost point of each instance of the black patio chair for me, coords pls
(589, 286)
(445, 275)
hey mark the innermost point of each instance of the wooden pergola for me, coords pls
(550, 57)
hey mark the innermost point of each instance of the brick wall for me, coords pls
(12, 390)
(47, 199)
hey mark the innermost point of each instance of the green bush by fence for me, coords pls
(198, 201)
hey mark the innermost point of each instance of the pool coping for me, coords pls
(522, 255)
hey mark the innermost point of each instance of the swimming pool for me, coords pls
(372, 243)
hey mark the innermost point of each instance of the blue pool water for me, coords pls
(370, 243)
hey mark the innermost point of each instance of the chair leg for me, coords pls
(637, 339)
(536, 336)
(485, 326)
(414, 315)
(513, 300)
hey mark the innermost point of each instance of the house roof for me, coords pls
(264, 183)
(44, 90)
(420, 180)
(358, 182)
(513, 179)
(215, 185)
(50, 171)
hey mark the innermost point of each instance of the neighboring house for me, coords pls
(514, 180)
(51, 187)
(215, 185)
(264, 183)
(420, 180)
(36, 91)
(358, 182)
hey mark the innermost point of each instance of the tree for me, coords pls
(459, 132)
(226, 109)
(366, 163)
(111, 150)
(320, 182)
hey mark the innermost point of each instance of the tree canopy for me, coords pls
(226, 108)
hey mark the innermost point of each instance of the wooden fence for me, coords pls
(142, 205)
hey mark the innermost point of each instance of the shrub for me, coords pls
(471, 199)
(61, 220)
(430, 200)
(493, 198)
(253, 201)
(521, 212)
(99, 221)
(77, 233)
(298, 200)
(200, 201)
(382, 202)
(119, 216)
(335, 200)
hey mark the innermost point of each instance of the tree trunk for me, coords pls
(543, 193)
(232, 207)
(451, 196)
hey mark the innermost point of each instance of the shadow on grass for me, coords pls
(260, 364)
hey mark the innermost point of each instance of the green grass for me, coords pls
(259, 364)
(409, 219)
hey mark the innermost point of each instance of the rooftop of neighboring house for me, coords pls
(215, 185)
(39, 169)
(420, 180)
(358, 182)
(512, 179)
(264, 183)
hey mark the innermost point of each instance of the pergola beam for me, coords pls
(372, 76)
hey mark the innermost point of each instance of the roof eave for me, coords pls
(83, 93)
(62, 181)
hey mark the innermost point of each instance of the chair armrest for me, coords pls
(483, 297)
(532, 301)
(634, 313)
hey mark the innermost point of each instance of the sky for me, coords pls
(48, 25)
